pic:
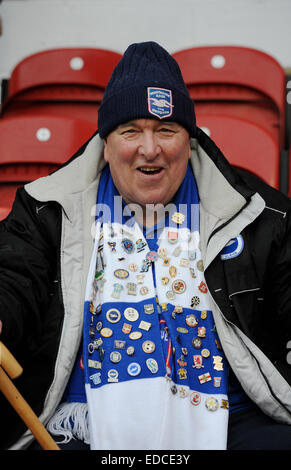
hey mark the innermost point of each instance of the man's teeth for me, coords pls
(149, 170)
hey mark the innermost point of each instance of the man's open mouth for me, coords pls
(150, 171)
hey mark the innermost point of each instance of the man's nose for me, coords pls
(149, 146)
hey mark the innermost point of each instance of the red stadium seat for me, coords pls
(34, 146)
(4, 211)
(68, 81)
(7, 195)
(245, 144)
(236, 81)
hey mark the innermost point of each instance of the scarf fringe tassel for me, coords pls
(71, 421)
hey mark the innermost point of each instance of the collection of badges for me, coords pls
(161, 333)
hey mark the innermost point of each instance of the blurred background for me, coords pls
(57, 55)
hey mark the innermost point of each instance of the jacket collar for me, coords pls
(217, 193)
(227, 204)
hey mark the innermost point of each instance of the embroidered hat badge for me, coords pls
(160, 102)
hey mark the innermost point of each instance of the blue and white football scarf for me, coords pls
(155, 374)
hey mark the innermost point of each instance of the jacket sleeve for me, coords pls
(273, 253)
(27, 270)
(278, 284)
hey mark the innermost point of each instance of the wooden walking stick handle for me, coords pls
(9, 363)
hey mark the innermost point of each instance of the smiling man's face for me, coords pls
(148, 160)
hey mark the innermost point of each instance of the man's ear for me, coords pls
(105, 151)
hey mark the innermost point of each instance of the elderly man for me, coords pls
(145, 286)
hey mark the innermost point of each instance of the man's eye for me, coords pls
(129, 131)
(166, 130)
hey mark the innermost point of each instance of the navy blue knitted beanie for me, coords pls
(146, 83)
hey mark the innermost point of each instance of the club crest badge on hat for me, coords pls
(160, 102)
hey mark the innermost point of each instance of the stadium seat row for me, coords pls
(51, 104)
